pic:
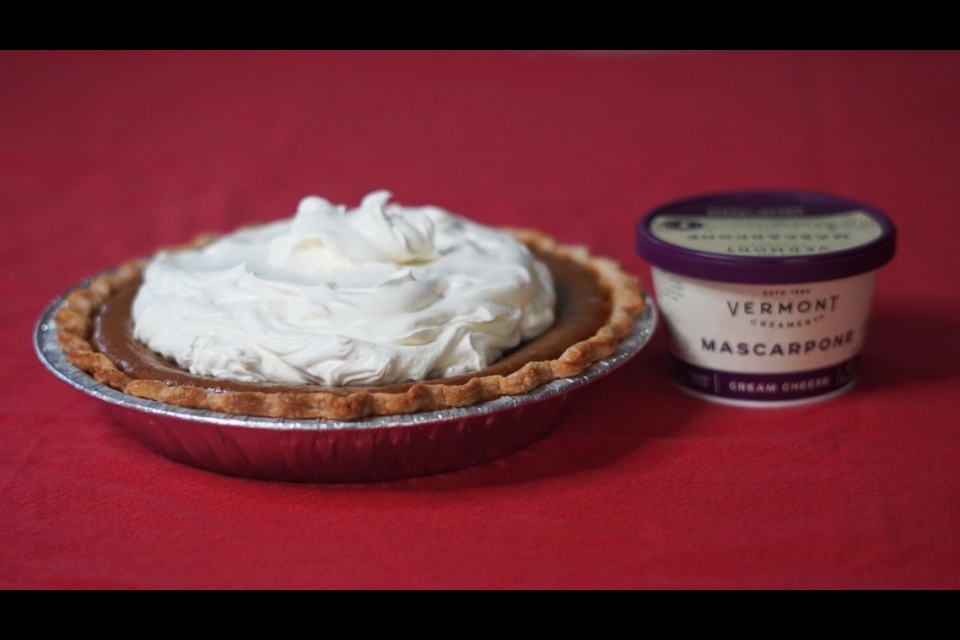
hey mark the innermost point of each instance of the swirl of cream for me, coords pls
(375, 295)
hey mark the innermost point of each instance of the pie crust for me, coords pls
(80, 325)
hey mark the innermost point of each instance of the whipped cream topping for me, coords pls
(375, 295)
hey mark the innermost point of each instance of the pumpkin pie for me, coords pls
(596, 305)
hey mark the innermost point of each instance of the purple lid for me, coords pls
(766, 237)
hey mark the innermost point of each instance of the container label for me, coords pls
(777, 235)
(760, 328)
(769, 387)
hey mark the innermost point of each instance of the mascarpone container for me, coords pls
(766, 294)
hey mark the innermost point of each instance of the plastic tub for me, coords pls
(766, 294)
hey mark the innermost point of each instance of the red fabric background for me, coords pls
(104, 157)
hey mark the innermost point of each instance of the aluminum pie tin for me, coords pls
(315, 450)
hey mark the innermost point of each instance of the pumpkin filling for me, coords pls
(583, 306)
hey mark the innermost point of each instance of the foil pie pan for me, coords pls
(368, 450)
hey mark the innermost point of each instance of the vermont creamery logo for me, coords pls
(751, 307)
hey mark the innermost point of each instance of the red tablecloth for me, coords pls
(104, 157)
